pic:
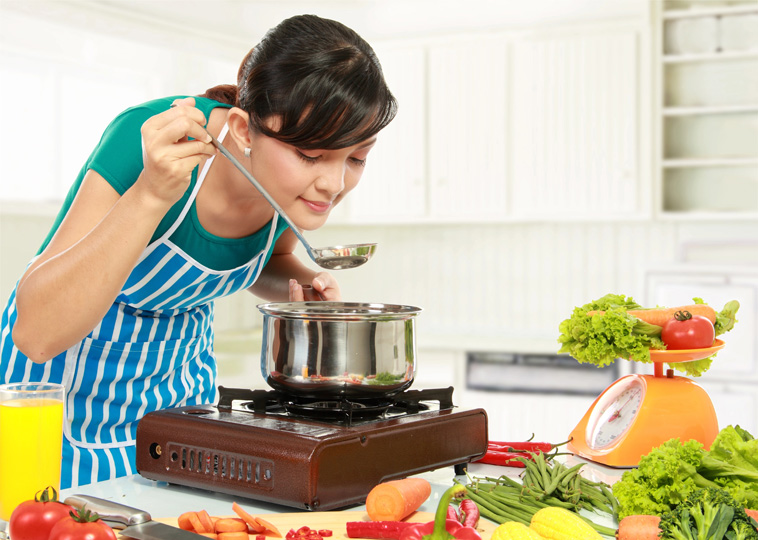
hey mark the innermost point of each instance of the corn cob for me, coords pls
(513, 530)
(555, 523)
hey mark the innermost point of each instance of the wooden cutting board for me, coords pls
(335, 522)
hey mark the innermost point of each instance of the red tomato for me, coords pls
(82, 528)
(33, 520)
(687, 332)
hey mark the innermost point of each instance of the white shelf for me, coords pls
(709, 57)
(709, 162)
(720, 109)
(710, 11)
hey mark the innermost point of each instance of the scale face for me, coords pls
(637, 413)
(614, 413)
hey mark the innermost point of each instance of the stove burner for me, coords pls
(340, 410)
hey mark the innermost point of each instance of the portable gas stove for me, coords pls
(323, 455)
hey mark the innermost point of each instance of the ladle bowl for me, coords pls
(331, 258)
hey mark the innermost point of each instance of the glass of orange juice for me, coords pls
(31, 435)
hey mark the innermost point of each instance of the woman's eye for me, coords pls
(307, 158)
(359, 162)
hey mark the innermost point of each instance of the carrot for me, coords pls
(212, 536)
(753, 514)
(250, 520)
(268, 527)
(236, 535)
(206, 521)
(397, 499)
(197, 525)
(660, 316)
(639, 527)
(228, 525)
(184, 522)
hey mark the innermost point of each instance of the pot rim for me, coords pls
(339, 311)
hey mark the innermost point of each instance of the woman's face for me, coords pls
(307, 184)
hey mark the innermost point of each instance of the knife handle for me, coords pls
(116, 515)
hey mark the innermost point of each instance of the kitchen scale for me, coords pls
(637, 413)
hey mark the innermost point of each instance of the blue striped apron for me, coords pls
(153, 350)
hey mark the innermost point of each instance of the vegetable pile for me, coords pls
(545, 484)
(671, 473)
(615, 326)
(45, 518)
(709, 514)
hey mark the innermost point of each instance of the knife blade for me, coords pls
(130, 521)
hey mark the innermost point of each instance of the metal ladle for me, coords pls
(331, 258)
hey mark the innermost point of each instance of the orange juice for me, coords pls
(31, 432)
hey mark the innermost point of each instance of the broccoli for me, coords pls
(708, 514)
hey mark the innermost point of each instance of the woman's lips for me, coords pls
(316, 206)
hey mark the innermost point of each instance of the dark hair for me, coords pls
(320, 78)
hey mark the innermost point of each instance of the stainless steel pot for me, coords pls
(338, 349)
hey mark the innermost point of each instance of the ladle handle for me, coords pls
(259, 187)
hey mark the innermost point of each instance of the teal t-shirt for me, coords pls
(118, 159)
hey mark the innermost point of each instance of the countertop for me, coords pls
(163, 500)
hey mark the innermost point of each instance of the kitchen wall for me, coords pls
(498, 286)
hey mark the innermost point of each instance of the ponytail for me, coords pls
(223, 93)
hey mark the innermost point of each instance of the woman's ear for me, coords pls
(239, 128)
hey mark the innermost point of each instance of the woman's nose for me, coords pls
(331, 180)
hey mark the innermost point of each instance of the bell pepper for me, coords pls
(442, 528)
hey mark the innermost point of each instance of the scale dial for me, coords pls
(614, 413)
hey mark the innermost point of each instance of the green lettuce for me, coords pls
(600, 340)
(668, 474)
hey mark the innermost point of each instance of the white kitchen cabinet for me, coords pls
(578, 129)
(468, 94)
(707, 109)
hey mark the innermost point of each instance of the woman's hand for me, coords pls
(167, 153)
(322, 287)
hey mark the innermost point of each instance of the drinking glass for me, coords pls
(31, 435)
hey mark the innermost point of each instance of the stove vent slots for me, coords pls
(221, 466)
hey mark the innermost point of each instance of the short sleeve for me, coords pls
(118, 155)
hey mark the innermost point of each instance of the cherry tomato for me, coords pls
(33, 520)
(82, 526)
(686, 331)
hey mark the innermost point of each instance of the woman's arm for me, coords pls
(69, 288)
(282, 278)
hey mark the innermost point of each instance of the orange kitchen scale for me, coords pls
(637, 413)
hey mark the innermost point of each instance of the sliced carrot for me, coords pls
(206, 521)
(639, 527)
(184, 522)
(197, 525)
(397, 499)
(250, 520)
(228, 525)
(660, 316)
(212, 536)
(268, 527)
(236, 535)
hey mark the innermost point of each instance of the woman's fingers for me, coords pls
(327, 287)
(174, 143)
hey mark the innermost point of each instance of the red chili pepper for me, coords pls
(325, 532)
(303, 533)
(442, 528)
(504, 459)
(376, 529)
(524, 446)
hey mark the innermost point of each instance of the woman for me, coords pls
(118, 304)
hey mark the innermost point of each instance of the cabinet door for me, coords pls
(467, 130)
(393, 185)
(576, 126)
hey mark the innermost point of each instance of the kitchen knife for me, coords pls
(130, 521)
